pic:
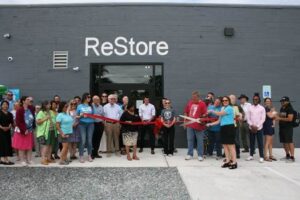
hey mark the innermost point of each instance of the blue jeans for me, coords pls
(214, 141)
(191, 134)
(260, 141)
(86, 134)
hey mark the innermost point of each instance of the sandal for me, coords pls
(129, 158)
(267, 159)
(135, 158)
(226, 164)
(233, 166)
(273, 158)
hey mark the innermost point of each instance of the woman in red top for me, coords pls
(23, 137)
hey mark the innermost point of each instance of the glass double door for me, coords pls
(133, 80)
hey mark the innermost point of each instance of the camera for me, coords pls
(10, 58)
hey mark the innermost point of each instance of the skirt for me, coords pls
(5, 144)
(130, 138)
(75, 137)
(23, 142)
(51, 140)
(64, 140)
(228, 134)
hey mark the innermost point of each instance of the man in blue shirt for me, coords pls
(214, 131)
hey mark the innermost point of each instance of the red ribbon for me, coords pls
(157, 122)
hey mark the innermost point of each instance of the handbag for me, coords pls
(42, 139)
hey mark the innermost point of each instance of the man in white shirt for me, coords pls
(256, 118)
(147, 114)
(244, 127)
(112, 129)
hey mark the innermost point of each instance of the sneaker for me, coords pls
(30, 162)
(170, 155)
(200, 158)
(81, 160)
(249, 158)
(23, 163)
(90, 159)
(188, 157)
(141, 150)
(261, 160)
(152, 152)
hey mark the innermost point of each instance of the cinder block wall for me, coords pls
(264, 50)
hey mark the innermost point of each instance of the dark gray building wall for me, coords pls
(264, 50)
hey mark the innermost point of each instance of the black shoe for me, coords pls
(56, 156)
(238, 156)
(227, 164)
(141, 150)
(73, 157)
(175, 151)
(245, 151)
(96, 156)
(232, 166)
(8, 163)
(152, 151)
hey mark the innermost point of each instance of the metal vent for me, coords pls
(60, 59)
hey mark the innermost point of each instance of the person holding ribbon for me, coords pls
(214, 131)
(130, 131)
(86, 126)
(226, 121)
(195, 108)
(147, 114)
(168, 120)
(112, 128)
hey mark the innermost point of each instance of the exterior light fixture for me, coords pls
(228, 32)
(7, 36)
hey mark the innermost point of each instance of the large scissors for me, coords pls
(190, 120)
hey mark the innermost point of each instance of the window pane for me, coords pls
(158, 81)
(127, 74)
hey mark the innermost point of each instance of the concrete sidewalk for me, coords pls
(207, 180)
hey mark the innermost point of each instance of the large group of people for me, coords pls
(85, 122)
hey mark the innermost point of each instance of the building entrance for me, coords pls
(133, 80)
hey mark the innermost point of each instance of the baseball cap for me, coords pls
(284, 98)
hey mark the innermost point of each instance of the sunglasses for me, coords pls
(168, 103)
(73, 104)
(224, 100)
